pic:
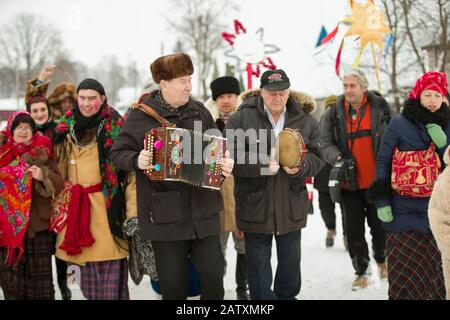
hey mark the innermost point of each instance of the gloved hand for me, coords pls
(437, 135)
(385, 214)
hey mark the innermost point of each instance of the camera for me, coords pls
(343, 170)
(350, 174)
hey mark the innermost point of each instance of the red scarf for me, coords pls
(78, 231)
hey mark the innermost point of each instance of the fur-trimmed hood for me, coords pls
(307, 102)
(213, 108)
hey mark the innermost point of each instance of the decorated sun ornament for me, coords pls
(367, 22)
(250, 49)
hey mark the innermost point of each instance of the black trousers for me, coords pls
(327, 210)
(258, 247)
(61, 266)
(172, 262)
(61, 271)
(357, 210)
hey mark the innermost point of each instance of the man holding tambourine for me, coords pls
(270, 186)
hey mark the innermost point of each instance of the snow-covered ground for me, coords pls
(327, 274)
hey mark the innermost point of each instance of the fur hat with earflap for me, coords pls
(34, 94)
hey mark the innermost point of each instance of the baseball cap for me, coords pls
(275, 80)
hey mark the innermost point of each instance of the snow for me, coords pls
(327, 274)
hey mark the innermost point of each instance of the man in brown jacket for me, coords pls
(222, 104)
(272, 201)
(182, 221)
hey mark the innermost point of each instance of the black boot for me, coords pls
(61, 272)
(241, 278)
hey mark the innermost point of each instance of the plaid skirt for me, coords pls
(32, 278)
(414, 266)
(105, 280)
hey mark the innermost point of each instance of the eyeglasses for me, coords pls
(23, 129)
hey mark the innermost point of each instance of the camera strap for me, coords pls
(353, 135)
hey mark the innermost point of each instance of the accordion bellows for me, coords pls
(184, 155)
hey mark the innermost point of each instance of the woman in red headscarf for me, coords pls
(408, 163)
(29, 179)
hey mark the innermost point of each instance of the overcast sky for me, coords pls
(135, 29)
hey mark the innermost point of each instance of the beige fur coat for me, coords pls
(439, 215)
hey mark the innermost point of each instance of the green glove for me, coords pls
(385, 214)
(437, 135)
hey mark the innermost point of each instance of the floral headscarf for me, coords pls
(111, 122)
(432, 80)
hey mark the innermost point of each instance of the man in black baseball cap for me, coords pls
(275, 80)
(271, 198)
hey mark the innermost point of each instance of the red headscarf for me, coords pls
(11, 149)
(432, 80)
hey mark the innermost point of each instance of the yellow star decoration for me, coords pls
(368, 22)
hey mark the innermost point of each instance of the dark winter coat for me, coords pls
(406, 131)
(167, 211)
(334, 131)
(322, 179)
(277, 203)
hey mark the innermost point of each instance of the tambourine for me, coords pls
(291, 148)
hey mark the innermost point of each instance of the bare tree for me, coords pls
(26, 43)
(112, 75)
(66, 72)
(398, 67)
(418, 29)
(427, 27)
(438, 47)
(444, 22)
(199, 24)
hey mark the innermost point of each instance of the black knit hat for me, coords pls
(23, 118)
(224, 85)
(92, 84)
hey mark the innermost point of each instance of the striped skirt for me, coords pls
(414, 266)
(32, 278)
(105, 280)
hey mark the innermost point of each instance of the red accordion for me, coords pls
(184, 155)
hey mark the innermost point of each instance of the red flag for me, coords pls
(338, 58)
(330, 36)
